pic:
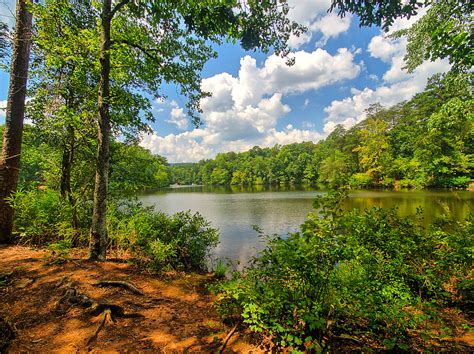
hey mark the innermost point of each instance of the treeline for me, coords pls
(48, 163)
(427, 141)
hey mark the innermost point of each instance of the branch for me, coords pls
(118, 7)
(146, 51)
(226, 339)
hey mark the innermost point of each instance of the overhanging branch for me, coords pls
(118, 7)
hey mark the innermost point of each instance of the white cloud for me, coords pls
(306, 103)
(244, 111)
(3, 107)
(177, 117)
(305, 11)
(397, 84)
(308, 125)
(313, 14)
(330, 26)
(384, 48)
(181, 147)
(289, 136)
(311, 71)
(350, 110)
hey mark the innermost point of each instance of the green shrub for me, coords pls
(41, 216)
(455, 182)
(221, 269)
(347, 272)
(60, 251)
(360, 180)
(180, 241)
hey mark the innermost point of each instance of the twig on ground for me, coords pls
(226, 339)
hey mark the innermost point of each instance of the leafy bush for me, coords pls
(180, 241)
(454, 182)
(60, 251)
(360, 180)
(221, 269)
(358, 271)
(41, 216)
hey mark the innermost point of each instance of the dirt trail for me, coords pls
(178, 313)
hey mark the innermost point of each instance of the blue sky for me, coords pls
(340, 70)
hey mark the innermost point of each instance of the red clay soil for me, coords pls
(177, 312)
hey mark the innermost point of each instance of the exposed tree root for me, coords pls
(122, 284)
(72, 296)
(226, 339)
(107, 317)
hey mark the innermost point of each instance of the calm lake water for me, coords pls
(234, 210)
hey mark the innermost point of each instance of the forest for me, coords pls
(426, 142)
(85, 266)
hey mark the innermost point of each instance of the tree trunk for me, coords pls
(12, 136)
(98, 235)
(66, 167)
(66, 164)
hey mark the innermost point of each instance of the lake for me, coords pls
(279, 210)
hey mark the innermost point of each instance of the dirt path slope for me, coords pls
(177, 313)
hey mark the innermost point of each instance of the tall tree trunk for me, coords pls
(65, 185)
(12, 136)
(66, 167)
(98, 235)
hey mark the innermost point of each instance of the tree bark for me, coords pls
(12, 136)
(98, 235)
(66, 164)
(66, 168)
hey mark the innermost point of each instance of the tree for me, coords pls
(65, 88)
(373, 147)
(63, 75)
(171, 35)
(444, 32)
(449, 153)
(333, 169)
(12, 136)
(378, 12)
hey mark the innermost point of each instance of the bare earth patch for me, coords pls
(174, 314)
(167, 314)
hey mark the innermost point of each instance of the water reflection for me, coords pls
(434, 204)
(279, 210)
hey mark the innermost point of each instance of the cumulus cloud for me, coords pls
(177, 148)
(330, 26)
(178, 117)
(350, 110)
(244, 110)
(3, 107)
(313, 14)
(384, 48)
(396, 86)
